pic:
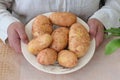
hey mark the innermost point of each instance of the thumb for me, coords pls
(22, 34)
(93, 29)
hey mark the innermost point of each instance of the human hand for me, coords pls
(96, 31)
(16, 33)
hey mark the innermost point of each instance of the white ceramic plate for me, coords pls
(56, 69)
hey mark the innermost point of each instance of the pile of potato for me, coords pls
(65, 44)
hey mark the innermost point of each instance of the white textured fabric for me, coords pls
(24, 10)
(109, 15)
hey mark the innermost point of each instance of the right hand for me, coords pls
(16, 33)
(96, 31)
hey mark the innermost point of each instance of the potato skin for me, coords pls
(60, 38)
(79, 39)
(64, 19)
(39, 43)
(47, 56)
(41, 25)
(67, 58)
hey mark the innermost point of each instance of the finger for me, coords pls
(15, 43)
(99, 36)
(22, 34)
(92, 28)
(17, 46)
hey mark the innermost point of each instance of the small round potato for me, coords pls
(47, 56)
(79, 39)
(60, 38)
(39, 43)
(67, 58)
(64, 19)
(41, 25)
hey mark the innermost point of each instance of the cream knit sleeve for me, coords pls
(5, 18)
(109, 14)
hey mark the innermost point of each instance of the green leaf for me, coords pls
(112, 46)
(113, 30)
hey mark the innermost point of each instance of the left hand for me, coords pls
(16, 33)
(96, 31)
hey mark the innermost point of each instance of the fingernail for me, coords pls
(26, 41)
(91, 37)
